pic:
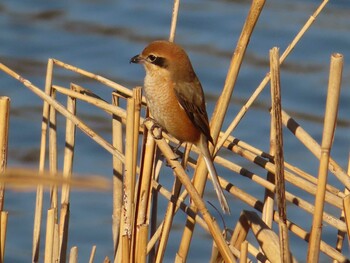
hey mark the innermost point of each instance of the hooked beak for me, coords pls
(136, 59)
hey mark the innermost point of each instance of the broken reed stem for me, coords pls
(4, 129)
(92, 255)
(244, 252)
(117, 141)
(279, 158)
(50, 230)
(44, 125)
(335, 76)
(73, 255)
(3, 233)
(198, 201)
(200, 175)
(266, 80)
(174, 20)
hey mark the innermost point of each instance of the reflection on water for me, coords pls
(101, 36)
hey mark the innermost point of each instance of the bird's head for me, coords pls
(165, 58)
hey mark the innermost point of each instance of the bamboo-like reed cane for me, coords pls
(117, 138)
(128, 197)
(73, 255)
(144, 196)
(180, 173)
(200, 175)
(244, 252)
(174, 20)
(3, 232)
(44, 125)
(279, 158)
(346, 203)
(341, 234)
(4, 128)
(266, 80)
(53, 149)
(92, 254)
(50, 229)
(331, 113)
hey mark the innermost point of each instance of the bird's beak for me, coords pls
(136, 59)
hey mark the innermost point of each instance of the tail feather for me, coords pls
(214, 177)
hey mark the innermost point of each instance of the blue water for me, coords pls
(101, 36)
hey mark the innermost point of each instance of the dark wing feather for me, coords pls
(191, 98)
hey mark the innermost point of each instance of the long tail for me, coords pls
(203, 145)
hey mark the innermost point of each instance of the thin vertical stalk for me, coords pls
(92, 255)
(50, 229)
(4, 128)
(334, 84)
(128, 197)
(341, 234)
(3, 232)
(279, 158)
(200, 176)
(53, 150)
(39, 192)
(117, 137)
(174, 20)
(244, 252)
(67, 173)
(73, 255)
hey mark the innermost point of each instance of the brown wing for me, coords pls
(191, 98)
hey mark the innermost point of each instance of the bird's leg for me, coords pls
(176, 148)
(154, 126)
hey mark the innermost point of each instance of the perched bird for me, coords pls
(176, 100)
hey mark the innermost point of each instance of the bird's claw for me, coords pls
(153, 127)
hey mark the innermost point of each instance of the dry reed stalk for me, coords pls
(50, 229)
(121, 89)
(92, 254)
(67, 171)
(128, 186)
(244, 252)
(174, 20)
(314, 148)
(3, 233)
(81, 125)
(4, 127)
(44, 125)
(331, 113)
(346, 202)
(200, 175)
(279, 158)
(144, 194)
(266, 80)
(181, 174)
(341, 234)
(79, 93)
(73, 255)
(117, 138)
(53, 150)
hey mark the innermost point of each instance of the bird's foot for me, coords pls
(154, 126)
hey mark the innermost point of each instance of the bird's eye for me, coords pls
(152, 58)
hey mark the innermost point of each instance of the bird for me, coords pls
(175, 99)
